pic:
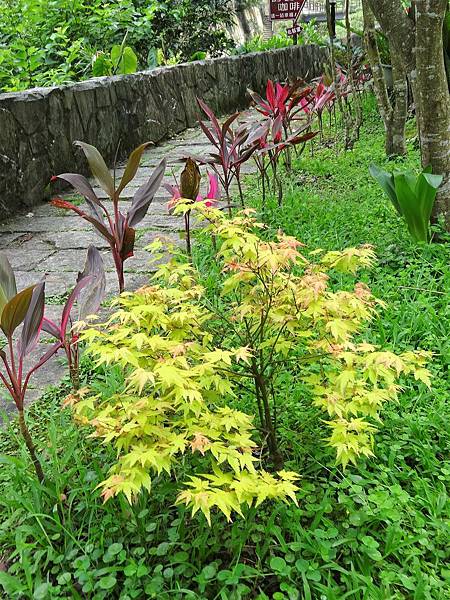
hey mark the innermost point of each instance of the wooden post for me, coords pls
(333, 18)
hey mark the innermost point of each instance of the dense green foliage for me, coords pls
(48, 42)
(378, 532)
(311, 34)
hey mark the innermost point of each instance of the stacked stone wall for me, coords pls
(38, 127)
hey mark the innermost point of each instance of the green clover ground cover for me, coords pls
(379, 531)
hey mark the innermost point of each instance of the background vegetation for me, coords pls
(375, 532)
(48, 42)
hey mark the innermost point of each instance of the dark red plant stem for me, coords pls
(12, 377)
(38, 366)
(121, 276)
(241, 195)
(6, 384)
(115, 201)
(111, 225)
(119, 267)
(19, 376)
(29, 443)
(11, 355)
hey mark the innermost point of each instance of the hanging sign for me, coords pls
(294, 30)
(281, 10)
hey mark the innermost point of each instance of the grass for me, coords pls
(376, 532)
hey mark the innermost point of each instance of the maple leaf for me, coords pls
(243, 354)
(179, 350)
(200, 442)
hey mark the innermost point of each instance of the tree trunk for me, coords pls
(419, 43)
(355, 121)
(373, 55)
(433, 98)
(393, 110)
(395, 138)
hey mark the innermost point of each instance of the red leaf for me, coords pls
(98, 167)
(127, 250)
(70, 302)
(33, 321)
(49, 327)
(270, 93)
(133, 163)
(210, 114)
(145, 194)
(15, 311)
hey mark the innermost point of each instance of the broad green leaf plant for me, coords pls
(413, 197)
(185, 353)
(121, 61)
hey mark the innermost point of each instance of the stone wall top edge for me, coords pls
(39, 93)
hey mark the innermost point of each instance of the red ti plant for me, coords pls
(326, 93)
(188, 192)
(283, 104)
(232, 149)
(273, 142)
(323, 97)
(283, 100)
(116, 227)
(88, 293)
(24, 308)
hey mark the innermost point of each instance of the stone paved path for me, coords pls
(52, 243)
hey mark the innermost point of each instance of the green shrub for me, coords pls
(184, 359)
(51, 42)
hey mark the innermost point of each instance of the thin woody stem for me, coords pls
(31, 447)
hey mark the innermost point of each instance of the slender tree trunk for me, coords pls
(268, 424)
(241, 193)
(351, 125)
(433, 97)
(355, 121)
(393, 111)
(395, 138)
(373, 55)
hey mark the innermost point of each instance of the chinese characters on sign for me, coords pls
(280, 9)
(295, 30)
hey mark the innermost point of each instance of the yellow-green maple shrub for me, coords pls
(279, 304)
(173, 402)
(184, 354)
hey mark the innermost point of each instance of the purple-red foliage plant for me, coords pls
(277, 133)
(21, 322)
(232, 149)
(88, 293)
(115, 226)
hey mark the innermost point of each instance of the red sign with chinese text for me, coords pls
(281, 10)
